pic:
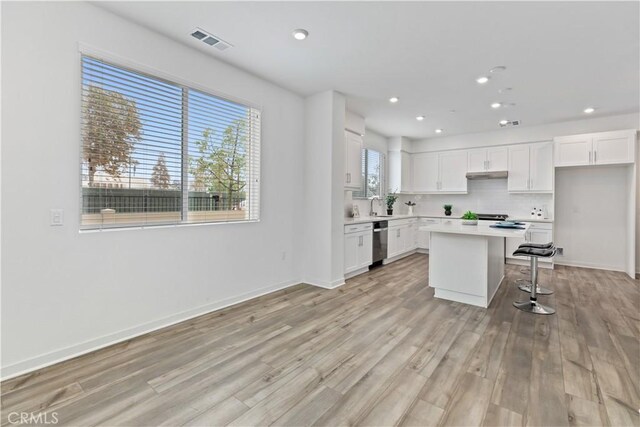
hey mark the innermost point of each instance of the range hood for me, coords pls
(487, 175)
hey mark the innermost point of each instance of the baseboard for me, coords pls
(325, 284)
(523, 263)
(398, 257)
(356, 273)
(76, 350)
(588, 265)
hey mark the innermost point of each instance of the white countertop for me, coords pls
(365, 219)
(482, 229)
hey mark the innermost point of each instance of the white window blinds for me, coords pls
(156, 152)
(372, 174)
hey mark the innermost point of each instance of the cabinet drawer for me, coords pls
(400, 222)
(429, 221)
(357, 227)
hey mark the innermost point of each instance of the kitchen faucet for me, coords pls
(371, 211)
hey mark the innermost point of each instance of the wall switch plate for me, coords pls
(56, 217)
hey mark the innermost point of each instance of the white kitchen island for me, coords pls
(466, 262)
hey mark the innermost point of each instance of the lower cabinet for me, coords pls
(358, 242)
(402, 237)
(423, 236)
(537, 233)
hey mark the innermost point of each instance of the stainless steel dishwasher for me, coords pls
(380, 230)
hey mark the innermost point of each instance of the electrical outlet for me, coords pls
(56, 217)
(560, 251)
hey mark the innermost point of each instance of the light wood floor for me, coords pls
(378, 351)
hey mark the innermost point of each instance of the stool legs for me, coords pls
(532, 306)
(525, 285)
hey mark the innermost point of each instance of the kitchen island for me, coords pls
(466, 262)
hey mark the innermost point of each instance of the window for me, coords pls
(372, 174)
(156, 152)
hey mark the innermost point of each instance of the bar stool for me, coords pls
(532, 306)
(525, 285)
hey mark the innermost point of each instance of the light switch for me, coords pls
(57, 216)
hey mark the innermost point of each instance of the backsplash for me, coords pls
(484, 196)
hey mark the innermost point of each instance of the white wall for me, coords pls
(65, 292)
(484, 196)
(324, 166)
(591, 216)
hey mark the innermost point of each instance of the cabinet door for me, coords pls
(353, 160)
(541, 167)
(406, 173)
(477, 160)
(351, 246)
(540, 236)
(425, 172)
(497, 159)
(613, 147)
(518, 179)
(365, 249)
(511, 244)
(453, 171)
(573, 150)
(393, 244)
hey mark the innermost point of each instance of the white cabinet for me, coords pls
(531, 168)
(353, 161)
(358, 242)
(442, 172)
(603, 148)
(537, 233)
(423, 236)
(401, 237)
(488, 159)
(406, 170)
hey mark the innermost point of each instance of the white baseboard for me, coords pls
(89, 346)
(589, 265)
(356, 273)
(543, 264)
(397, 257)
(325, 284)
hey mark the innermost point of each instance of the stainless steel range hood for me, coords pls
(487, 175)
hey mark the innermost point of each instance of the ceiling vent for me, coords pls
(210, 39)
(509, 123)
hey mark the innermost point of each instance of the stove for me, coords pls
(492, 217)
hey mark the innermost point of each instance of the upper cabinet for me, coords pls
(530, 168)
(353, 160)
(442, 172)
(488, 159)
(603, 148)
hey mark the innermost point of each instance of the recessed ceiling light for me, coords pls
(438, 130)
(504, 122)
(496, 105)
(589, 110)
(498, 69)
(394, 99)
(300, 34)
(482, 79)
(420, 118)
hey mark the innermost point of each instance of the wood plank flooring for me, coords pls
(379, 351)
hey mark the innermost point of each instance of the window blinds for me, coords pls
(156, 152)
(372, 174)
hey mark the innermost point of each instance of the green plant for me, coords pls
(448, 207)
(391, 199)
(470, 215)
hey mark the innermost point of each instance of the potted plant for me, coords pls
(390, 200)
(469, 218)
(447, 210)
(411, 205)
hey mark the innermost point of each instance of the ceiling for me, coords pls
(561, 57)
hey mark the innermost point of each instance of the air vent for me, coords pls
(210, 39)
(509, 123)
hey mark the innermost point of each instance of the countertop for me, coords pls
(365, 219)
(482, 229)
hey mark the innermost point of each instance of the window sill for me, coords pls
(162, 226)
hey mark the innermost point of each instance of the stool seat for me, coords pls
(537, 245)
(534, 252)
